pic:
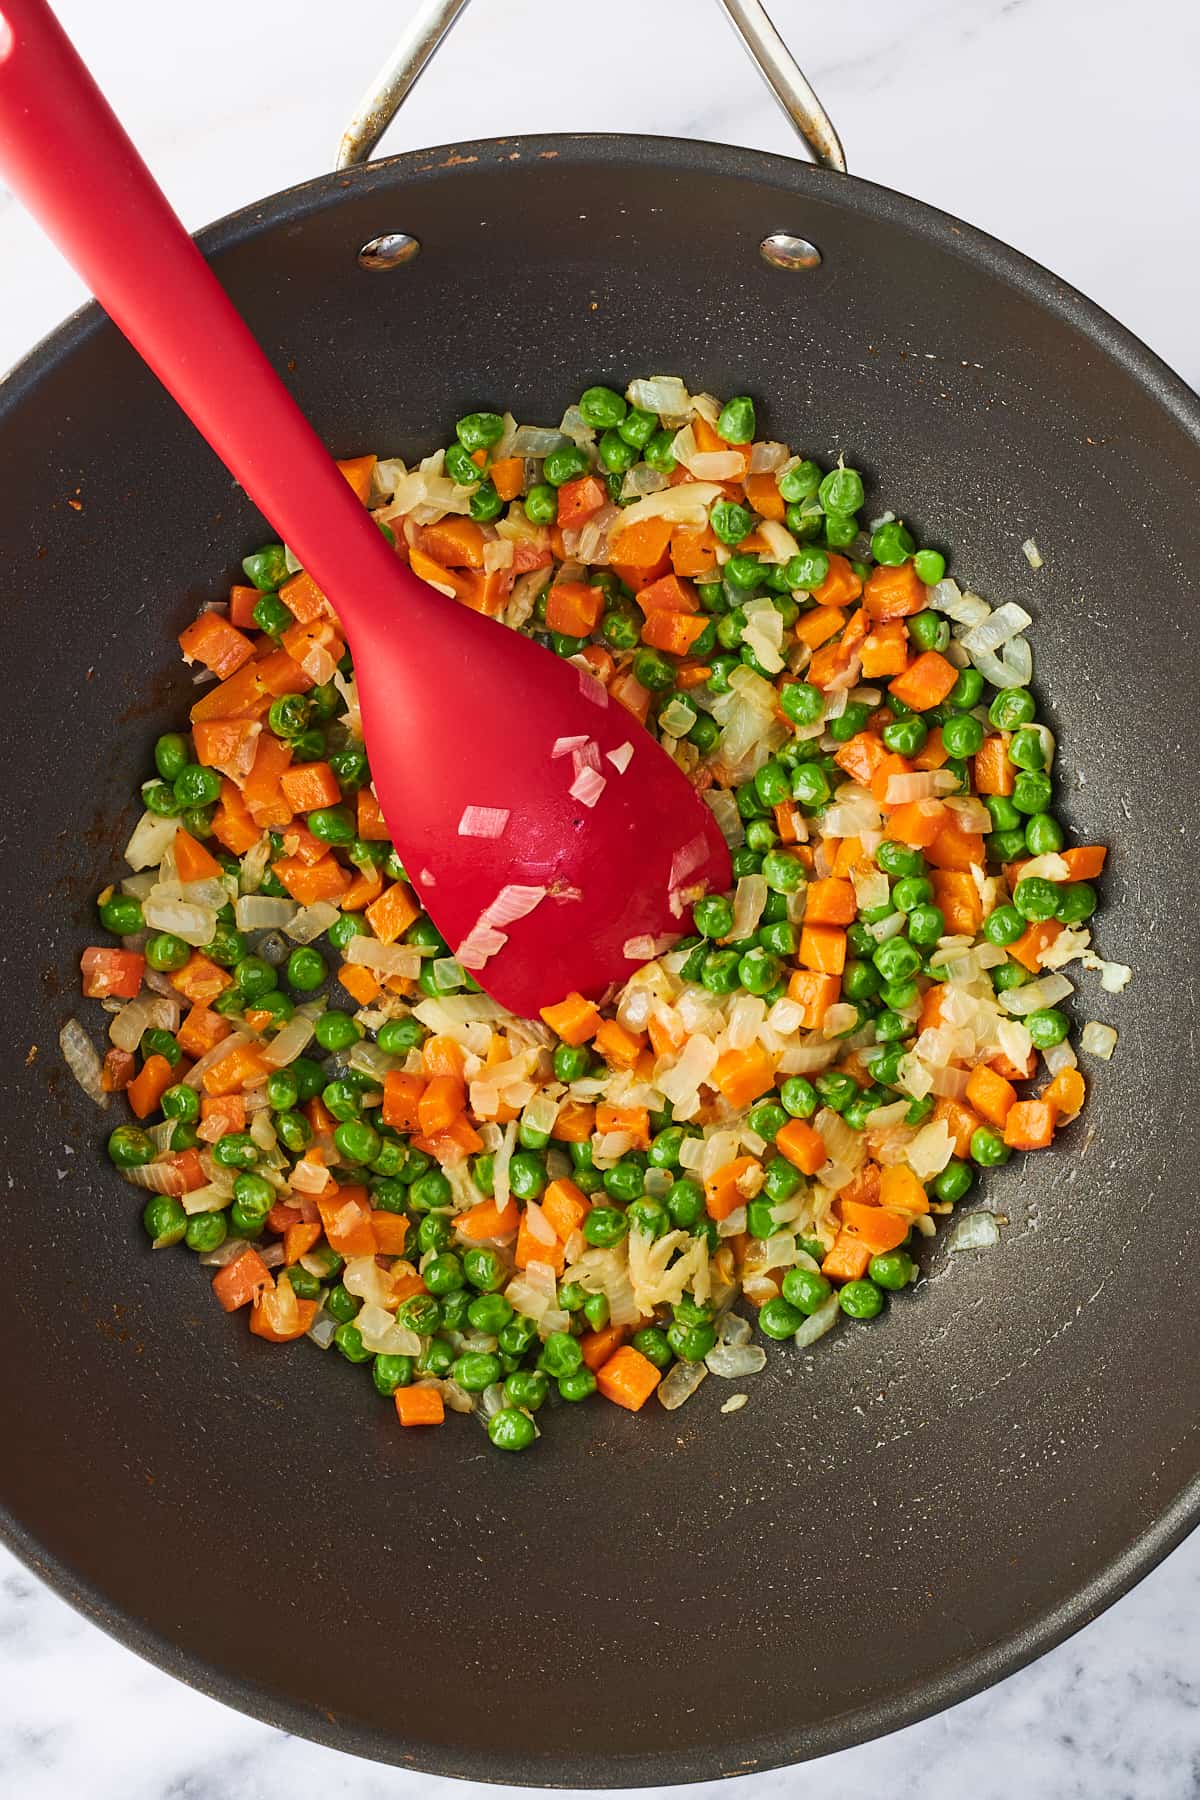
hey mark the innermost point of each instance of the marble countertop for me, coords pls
(1069, 131)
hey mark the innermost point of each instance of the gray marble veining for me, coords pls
(1015, 114)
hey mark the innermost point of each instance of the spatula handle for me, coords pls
(66, 157)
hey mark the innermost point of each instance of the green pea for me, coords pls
(1003, 926)
(758, 970)
(486, 503)
(892, 544)
(510, 1429)
(704, 733)
(1036, 899)
(713, 916)
(736, 420)
(129, 1148)
(266, 569)
(1043, 833)
(488, 1312)
(454, 1308)
(561, 1355)
(527, 1175)
(272, 616)
(602, 407)
(685, 1203)
(954, 1182)
(348, 1339)
(731, 522)
(798, 1096)
(526, 1389)
(333, 825)
(691, 1343)
(806, 1290)
(605, 1226)
(660, 456)
(810, 786)
(638, 427)
(1077, 901)
(850, 722)
(484, 1270)
(1047, 1026)
(437, 1358)
(779, 1319)
(164, 1221)
(1009, 975)
(926, 924)
(898, 860)
(541, 504)
(962, 735)
(461, 467)
(429, 1189)
(896, 959)
(841, 491)
(800, 482)
(579, 1386)
(180, 1102)
(910, 891)
(1026, 750)
(205, 1232)
(567, 463)
(930, 566)
(1005, 816)
(294, 1131)
(802, 703)
(1012, 708)
(336, 1030)
(905, 737)
(391, 1372)
(479, 430)
(783, 871)
(236, 1150)
(1005, 846)
(894, 1269)
(476, 1370)
(306, 968)
(624, 1181)
(861, 1300)
(254, 976)
(988, 1148)
(616, 453)
(929, 631)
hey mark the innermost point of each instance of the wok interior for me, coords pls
(888, 1522)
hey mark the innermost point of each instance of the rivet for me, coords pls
(783, 251)
(388, 251)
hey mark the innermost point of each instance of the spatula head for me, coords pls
(553, 842)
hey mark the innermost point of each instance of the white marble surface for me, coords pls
(1068, 129)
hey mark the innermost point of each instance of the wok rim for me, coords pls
(917, 1700)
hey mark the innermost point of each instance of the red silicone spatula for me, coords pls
(544, 829)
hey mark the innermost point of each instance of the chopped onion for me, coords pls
(732, 1361)
(535, 440)
(1013, 669)
(83, 1060)
(196, 925)
(254, 864)
(587, 787)
(681, 1384)
(311, 921)
(1098, 1040)
(818, 1323)
(1047, 991)
(642, 480)
(564, 746)
(965, 609)
(662, 394)
(138, 1016)
(512, 903)
(484, 821)
(686, 504)
(290, 1041)
(994, 632)
(1032, 554)
(1060, 1056)
(924, 784)
(481, 943)
(973, 1231)
(384, 959)
(152, 838)
(766, 457)
(255, 912)
(322, 1329)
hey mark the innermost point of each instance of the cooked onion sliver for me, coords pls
(484, 821)
(259, 912)
(384, 959)
(563, 746)
(587, 787)
(311, 921)
(1098, 1040)
(291, 1041)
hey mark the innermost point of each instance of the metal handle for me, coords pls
(429, 25)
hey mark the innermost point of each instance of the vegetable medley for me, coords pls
(490, 1212)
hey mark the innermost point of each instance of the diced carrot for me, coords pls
(830, 902)
(1034, 942)
(201, 1031)
(721, 1192)
(262, 789)
(1030, 1124)
(803, 1147)
(324, 880)
(530, 1248)
(990, 1094)
(371, 822)
(619, 1048)
(840, 586)
(669, 594)
(860, 756)
(895, 592)
(693, 553)
(579, 501)
(279, 1316)
(298, 841)
(241, 1067)
(763, 495)
(419, 1405)
(301, 640)
(628, 690)
(575, 1122)
(627, 1379)
(875, 1226)
(933, 753)
(817, 627)
(359, 983)
(309, 786)
(441, 1101)
(508, 476)
(454, 542)
(281, 674)
(917, 823)
(242, 696)
(788, 821)
(241, 1280)
(599, 1346)
(393, 913)
(363, 891)
(219, 1115)
(192, 861)
(220, 646)
(633, 1120)
(815, 993)
(885, 650)
(401, 1100)
(232, 825)
(242, 602)
(994, 773)
(404, 1287)
(900, 1190)
(890, 766)
(848, 1259)
(280, 1217)
(958, 897)
(863, 1187)
(822, 948)
(226, 744)
(960, 1122)
(1084, 861)
(452, 1145)
(346, 1216)
(319, 1116)
(1066, 1093)
(487, 1220)
(117, 1070)
(847, 854)
(1011, 1071)
(574, 608)
(110, 974)
(574, 1019)
(149, 1085)
(299, 1239)
(931, 1008)
(602, 663)
(358, 471)
(641, 547)
(441, 1055)
(740, 1076)
(303, 598)
(390, 1230)
(926, 681)
(673, 632)
(954, 849)
(565, 1206)
(200, 980)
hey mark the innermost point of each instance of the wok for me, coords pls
(890, 1523)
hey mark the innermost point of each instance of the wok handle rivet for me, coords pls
(783, 251)
(388, 251)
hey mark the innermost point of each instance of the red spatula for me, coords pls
(552, 840)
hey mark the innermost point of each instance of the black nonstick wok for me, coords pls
(921, 1505)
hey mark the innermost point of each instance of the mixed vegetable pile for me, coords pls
(488, 1211)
